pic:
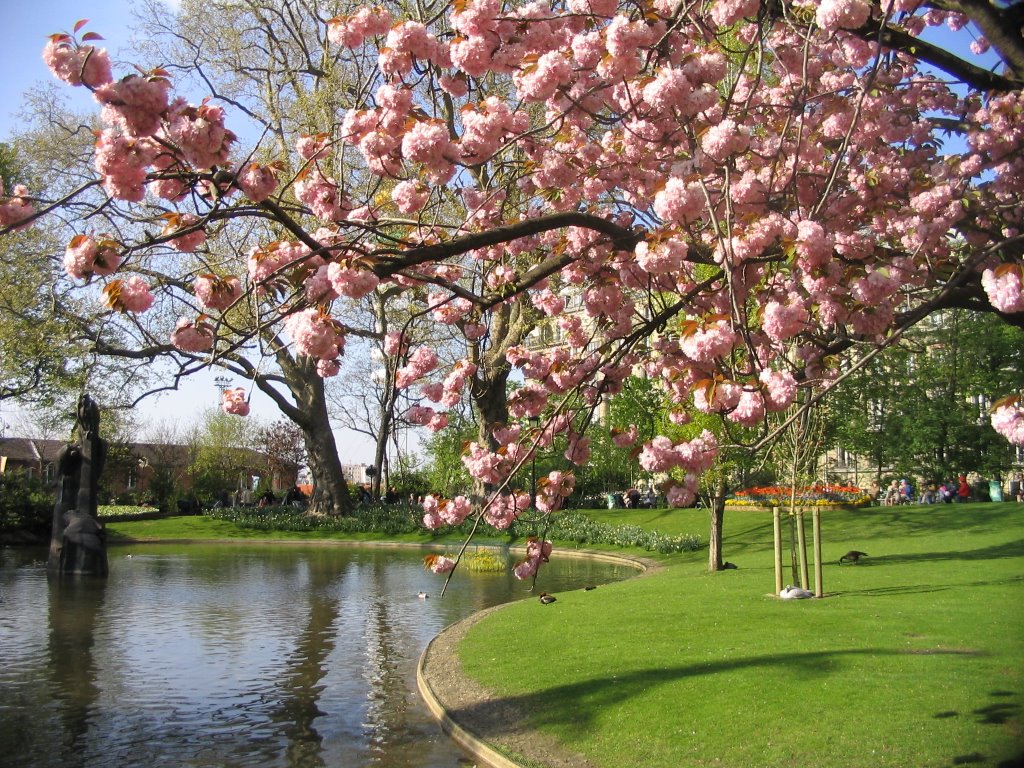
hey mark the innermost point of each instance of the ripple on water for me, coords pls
(233, 656)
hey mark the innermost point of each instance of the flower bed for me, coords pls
(806, 496)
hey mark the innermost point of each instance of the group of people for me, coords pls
(902, 492)
(632, 499)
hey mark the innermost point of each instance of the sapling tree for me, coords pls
(747, 197)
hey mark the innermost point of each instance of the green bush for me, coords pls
(25, 503)
(400, 518)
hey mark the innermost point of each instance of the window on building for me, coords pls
(133, 477)
(845, 459)
(876, 415)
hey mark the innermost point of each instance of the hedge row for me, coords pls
(398, 519)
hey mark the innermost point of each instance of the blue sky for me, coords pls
(26, 27)
(24, 35)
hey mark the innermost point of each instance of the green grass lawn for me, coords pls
(914, 658)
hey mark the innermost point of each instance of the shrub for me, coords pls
(25, 503)
(396, 519)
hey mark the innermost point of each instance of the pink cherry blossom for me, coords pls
(314, 333)
(216, 292)
(326, 368)
(86, 256)
(128, 295)
(422, 362)
(395, 344)
(188, 242)
(135, 104)
(200, 134)
(439, 563)
(234, 401)
(16, 209)
(679, 202)
(1004, 287)
(1008, 421)
(410, 196)
(779, 389)
(351, 281)
(842, 14)
(77, 65)
(626, 437)
(193, 336)
(122, 161)
(258, 182)
(313, 147)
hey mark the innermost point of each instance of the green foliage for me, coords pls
(578, 528)
(446, 475)
(397, 519)
(222, 456)
(124, 511)
(484, 561)
(25, 503)
(921, 409)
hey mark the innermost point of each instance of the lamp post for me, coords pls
(222, 383)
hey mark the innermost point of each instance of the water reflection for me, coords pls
(74, 604)
(233, 656)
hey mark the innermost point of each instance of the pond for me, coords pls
(235, 655)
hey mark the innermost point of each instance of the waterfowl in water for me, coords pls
(545, 598)
(422, 595)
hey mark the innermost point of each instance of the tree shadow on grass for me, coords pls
(994, 552)
(577, 704)
(913, 589)
(937, 518)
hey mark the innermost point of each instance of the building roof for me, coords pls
(25, 450)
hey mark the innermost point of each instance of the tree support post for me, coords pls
(777, 518)
(819, 587)
(801, 534)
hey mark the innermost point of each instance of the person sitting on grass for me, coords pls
(906, 492)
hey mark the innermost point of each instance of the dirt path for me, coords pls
(487, 726)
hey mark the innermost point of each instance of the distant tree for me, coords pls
(282, 444)
(922, 408)
(223, 457)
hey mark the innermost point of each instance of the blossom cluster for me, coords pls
(538, 552)
(1008, 420)
(818, 495)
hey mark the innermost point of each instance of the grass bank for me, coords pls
(914, 659)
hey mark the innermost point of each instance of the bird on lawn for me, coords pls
(545, 598)
(795, 593)
(853, 556)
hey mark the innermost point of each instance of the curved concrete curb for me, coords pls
(466, 739)
(435, 664)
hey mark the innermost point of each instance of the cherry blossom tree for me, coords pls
(748, 198)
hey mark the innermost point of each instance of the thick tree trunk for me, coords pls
(715, 560)
(490, 407)
(380, 457)
(330, 490)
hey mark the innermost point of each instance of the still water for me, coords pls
(235, 656)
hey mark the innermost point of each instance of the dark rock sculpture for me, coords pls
(78, 542)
